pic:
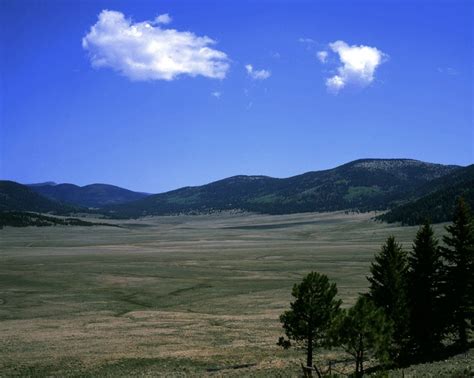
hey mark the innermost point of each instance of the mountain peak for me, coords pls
(398, 163)
(46, 183)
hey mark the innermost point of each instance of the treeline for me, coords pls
(420, 304)
(437, 207)
(25, 219)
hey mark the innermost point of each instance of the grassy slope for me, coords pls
(458, 366)
(171, 295)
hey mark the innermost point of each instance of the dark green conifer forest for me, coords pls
(419, 307)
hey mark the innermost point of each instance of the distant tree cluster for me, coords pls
(25, 219)
(419, 303)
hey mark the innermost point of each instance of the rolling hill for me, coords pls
(92, 196)
(436, 199)
(365, 184)
(17, 197)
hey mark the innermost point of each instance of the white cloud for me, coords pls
(358, 65)
(257, 74)
(335, 83)
(322, 56)
(145, 51)
(216, 94)
(306, 40)
(163, 19)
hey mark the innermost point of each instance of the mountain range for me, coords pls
(403, 185)
(366, 184)
(18, 197)
(92, 196)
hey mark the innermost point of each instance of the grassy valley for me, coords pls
(186, 295)
(200, 293)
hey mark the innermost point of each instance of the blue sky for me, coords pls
(161, 109)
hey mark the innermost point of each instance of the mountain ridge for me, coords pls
(92, 196)
(18, 197)
(365, 184)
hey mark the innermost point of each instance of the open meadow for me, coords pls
(178, 295)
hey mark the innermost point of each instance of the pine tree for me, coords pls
(458, 272)
(424, 294)
(388, 285)
(309, 321)
(364, 332)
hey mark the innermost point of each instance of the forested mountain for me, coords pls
(436, 199)
(365, 184)
(95, 195)
(14, 196)
(414, 190)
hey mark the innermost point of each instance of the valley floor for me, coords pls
(187, 295)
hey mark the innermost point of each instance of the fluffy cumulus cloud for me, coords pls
(163, 19)
(146, 51)
(357, 65)
(257, 74)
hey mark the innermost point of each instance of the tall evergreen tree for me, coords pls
(388, 285)
(424, 294)
(364, 332)
(458, 272)
(309, 321)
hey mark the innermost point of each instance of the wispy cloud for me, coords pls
(358, 64)
(309, 43)
(257, 74)
(276, 55)
(145, 51)
(306, 40)
(216, 94)
(448, 71)
(322, 56)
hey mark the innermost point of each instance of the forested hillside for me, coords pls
(437, 199)
(94, 195)
(14, 196)
(365, 184)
